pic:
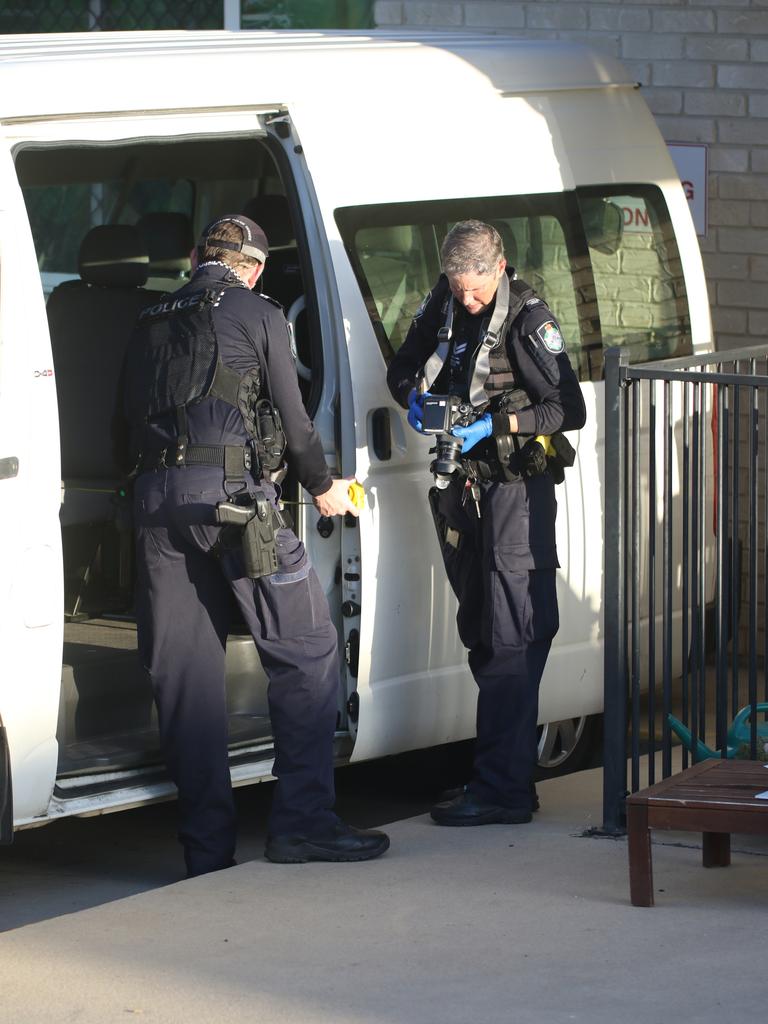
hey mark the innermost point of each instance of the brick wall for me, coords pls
(703, 65)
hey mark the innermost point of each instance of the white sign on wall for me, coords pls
(690, 159)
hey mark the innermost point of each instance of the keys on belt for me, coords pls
(472, 490)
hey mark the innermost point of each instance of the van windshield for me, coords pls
(604, 258)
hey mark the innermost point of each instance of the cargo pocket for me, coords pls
(522, 602)
(292, 598)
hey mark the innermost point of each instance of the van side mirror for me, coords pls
(603, 224)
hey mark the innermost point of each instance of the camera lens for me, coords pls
(447, 462)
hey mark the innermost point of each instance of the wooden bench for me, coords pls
(715, 797)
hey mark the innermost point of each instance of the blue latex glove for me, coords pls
(415, 409)
(475, 432)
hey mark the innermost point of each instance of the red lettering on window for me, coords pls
(635, 217)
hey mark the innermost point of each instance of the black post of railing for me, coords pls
(632, 540)
(614, 604)
(688, 572)
(652, 569)
(667, 575)
(754, 439)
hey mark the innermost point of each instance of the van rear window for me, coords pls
(604, 258)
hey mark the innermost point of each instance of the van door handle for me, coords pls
(381, 434)
(9, 468)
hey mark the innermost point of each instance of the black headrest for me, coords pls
(393, 240)
(272, 215)
(114, 255)
(169, 240)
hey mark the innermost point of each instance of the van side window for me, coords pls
(636, 267)
(604, 258)
(396, 269)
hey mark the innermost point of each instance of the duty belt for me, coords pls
(234, 459)
(489, 470)
(486, 464)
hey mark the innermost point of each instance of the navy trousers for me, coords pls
(501, 566)
(183, 601)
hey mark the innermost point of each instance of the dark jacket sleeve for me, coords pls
(546, 374)
(304, 445)
(419, 344)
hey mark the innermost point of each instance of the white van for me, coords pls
(356, 153)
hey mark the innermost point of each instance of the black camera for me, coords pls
(439, 414)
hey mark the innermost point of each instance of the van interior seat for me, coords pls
(90, 322)
(282, 272)
(394, 273)
(169, 239)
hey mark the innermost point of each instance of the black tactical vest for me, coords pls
(500, 379)
(173, 362)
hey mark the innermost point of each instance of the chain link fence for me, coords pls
(131, 15)
(108, 15)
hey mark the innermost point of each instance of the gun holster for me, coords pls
(258, 540)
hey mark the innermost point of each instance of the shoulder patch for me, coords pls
(550, 337)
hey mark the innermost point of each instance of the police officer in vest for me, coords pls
(212, 396)
(484, 368)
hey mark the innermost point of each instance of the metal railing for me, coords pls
(686, 565)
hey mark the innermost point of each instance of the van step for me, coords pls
(107, 717)
(140, 748)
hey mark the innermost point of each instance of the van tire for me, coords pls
(568, 745)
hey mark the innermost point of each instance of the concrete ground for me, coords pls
(483, 925)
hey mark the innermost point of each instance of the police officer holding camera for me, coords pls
(211, 392)
(484, 368)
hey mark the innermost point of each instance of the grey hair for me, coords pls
(471, 247)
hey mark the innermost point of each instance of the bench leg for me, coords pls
(640, 863)
(716, 849)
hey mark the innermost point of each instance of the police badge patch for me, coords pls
(550, 336)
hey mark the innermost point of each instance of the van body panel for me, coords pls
(290, 64)
(30, 543)
(6, 791)
(354, 121)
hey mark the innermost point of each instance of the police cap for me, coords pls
(254, 243)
